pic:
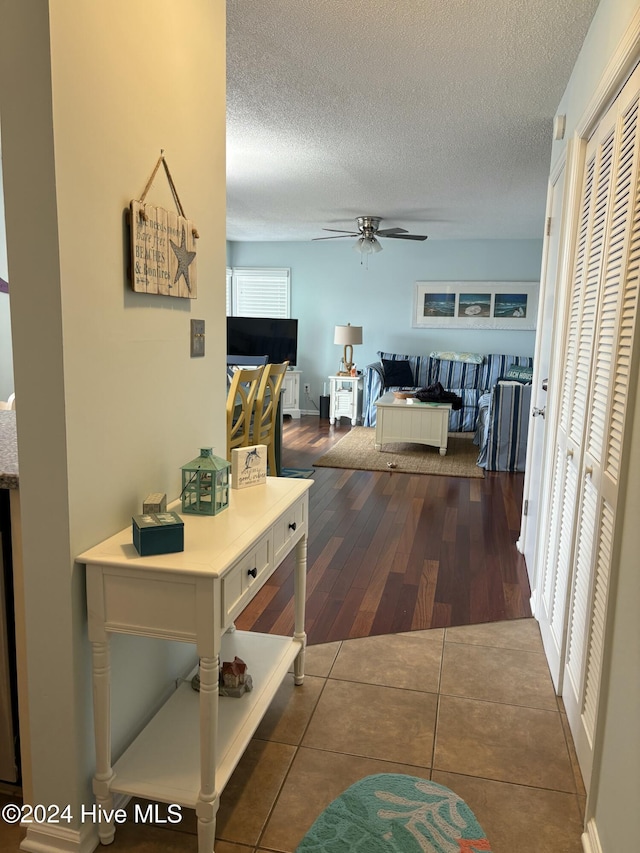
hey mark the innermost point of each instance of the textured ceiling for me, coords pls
(433, 114)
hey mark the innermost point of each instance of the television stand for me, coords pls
(291, 393)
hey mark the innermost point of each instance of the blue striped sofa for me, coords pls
(503, 426)
(468, 375)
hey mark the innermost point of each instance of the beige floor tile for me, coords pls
(518, 819)
(318, 660)
(436, 634)
(377, 722)
(502, 742)
(290, 711)
(513, 676)
(249, 795)
(512, 634)
(141, 838)
(391, 660)
(315, 779)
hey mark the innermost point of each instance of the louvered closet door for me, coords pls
(557, 553)
(604, 405)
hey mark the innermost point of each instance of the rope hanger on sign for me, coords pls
(174, 192)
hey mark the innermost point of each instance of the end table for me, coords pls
(345, 398)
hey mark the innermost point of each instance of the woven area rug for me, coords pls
(392, 813)
(357, 451)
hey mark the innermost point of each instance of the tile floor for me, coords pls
(472, 708)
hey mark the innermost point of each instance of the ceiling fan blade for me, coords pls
(385, 232)
(341, 231)
(336, 237)
(404, 236)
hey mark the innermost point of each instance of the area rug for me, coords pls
(357, 450)
(392, 813)
(300, 473)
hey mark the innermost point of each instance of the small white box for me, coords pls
(248, 466)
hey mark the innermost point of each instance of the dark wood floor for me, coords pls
(391, 552)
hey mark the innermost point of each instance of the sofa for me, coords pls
(502, 428)
(497, 418)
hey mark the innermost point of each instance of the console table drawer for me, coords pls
(288, 529)
(239, 583)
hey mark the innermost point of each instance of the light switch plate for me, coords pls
(197, 338)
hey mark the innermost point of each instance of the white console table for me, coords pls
(190, 748)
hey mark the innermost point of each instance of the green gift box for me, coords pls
(158, 533)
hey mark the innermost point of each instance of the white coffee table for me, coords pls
(412, 421)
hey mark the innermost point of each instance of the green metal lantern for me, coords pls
(205, 484)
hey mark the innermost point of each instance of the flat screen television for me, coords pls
(275, 337)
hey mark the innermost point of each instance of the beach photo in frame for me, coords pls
(475, 305)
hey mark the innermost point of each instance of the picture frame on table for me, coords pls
(475, 305)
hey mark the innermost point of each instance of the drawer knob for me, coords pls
(293, 525)
(253, 573)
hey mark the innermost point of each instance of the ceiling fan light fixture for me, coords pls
(367, 246)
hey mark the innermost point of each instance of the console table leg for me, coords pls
(300, 596)
(101, 665)
(208, 799)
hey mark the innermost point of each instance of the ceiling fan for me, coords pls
(368, 232)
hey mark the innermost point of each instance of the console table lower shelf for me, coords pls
(163, 763)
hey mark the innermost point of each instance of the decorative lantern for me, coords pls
(205, 484)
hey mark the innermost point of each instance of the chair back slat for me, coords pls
(241, 396)
(265, 411)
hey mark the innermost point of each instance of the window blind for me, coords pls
(261, 292)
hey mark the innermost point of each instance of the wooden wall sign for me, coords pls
(163, 252)
(163, 246)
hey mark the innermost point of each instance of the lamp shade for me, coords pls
(348, 335)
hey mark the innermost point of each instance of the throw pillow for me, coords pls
(397, 374)
(522, 374)
(470, 357)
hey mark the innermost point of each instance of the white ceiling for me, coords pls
(433, 114)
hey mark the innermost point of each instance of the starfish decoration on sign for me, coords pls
(185, 258)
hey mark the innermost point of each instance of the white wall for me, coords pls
(110, 402)
(615, 788)
(330, 286)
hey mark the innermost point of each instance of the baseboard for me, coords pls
(590, 839)
(46, 838)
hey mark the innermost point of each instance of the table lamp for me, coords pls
(347, 336)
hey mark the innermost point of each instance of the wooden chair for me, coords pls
(241, 396)
(265, 411)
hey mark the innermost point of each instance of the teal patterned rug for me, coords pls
(393, 813)
(300, 473)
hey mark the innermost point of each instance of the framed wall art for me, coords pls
(475, 305)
